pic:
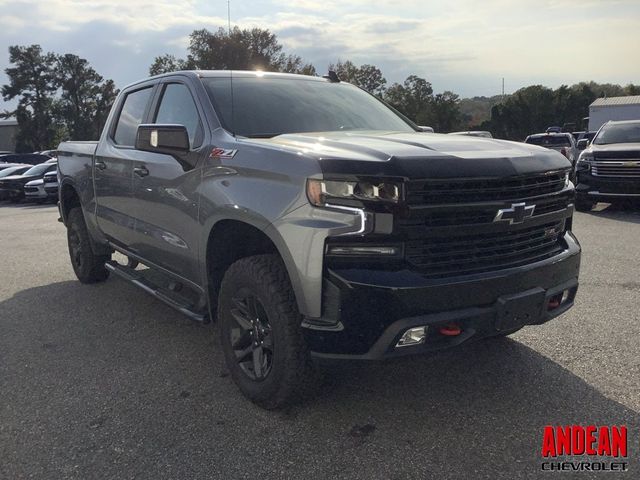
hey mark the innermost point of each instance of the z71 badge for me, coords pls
(222, 153)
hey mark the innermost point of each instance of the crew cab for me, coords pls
(609, 167)
(313, 223)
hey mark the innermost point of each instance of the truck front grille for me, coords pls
(620, 168)
(452, 191)
(476, 253)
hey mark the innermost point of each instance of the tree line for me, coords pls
(58, 97)
(62, 97)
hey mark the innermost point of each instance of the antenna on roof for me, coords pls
(332, 77)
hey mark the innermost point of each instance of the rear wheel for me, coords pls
(261, 335)
(89, 267)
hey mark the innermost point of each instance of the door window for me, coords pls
(177, 107)
(131, 116)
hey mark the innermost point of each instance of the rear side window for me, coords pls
(177, 107)
(131, 116)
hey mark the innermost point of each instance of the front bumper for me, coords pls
(365, 312)
(607, 188)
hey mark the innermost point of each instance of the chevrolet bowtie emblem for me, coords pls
(516, 214)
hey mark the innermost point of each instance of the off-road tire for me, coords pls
(89, 267)
(292, 376)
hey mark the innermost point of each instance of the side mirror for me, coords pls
(167, 139)
(582, 144)
(423, 128)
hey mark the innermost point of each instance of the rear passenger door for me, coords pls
(166, 188)
(113, 168)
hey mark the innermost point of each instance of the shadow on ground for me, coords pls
(623, 211)
(103, 381)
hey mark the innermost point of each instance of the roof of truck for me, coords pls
(239, 74)
(607, 101)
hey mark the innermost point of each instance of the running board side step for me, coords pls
(132, 276)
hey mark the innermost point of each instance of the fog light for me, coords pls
(413, 336)
(565, 297)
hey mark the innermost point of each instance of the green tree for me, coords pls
(85, 98)
(166, 63)
(412, 98)
(444, 112)
(32, 81)
(239, 49)
(367, 77)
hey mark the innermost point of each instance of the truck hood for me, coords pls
(417, 155)
(615, 147)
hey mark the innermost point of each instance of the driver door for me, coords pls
(166, 189)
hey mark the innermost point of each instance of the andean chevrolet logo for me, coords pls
(516, 214)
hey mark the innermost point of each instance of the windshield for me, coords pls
(618, 133)
(38, 169)
(265, 107)
(12, 171)
(550, 141)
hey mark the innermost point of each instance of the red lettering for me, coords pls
(604, 441)
(619, 441)
(578, 440)
(548, 442)
(563, 441)
(590, 439)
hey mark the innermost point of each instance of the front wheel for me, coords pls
(89, 267)
(261, 335)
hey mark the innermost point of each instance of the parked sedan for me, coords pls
(30, 158)
(43, 189)
(12, 169)
(12, 186)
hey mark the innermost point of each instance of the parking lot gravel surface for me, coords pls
(103, 381)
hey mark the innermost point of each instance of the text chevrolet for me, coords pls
(314, 223)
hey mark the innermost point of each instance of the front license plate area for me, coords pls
(520, 309)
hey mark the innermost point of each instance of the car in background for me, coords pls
(560, 142)
(51, 185)
(4, 166)
(474, 133)
(588, 136)
(12, 186)
(13, 169)
(609, 168)
(554, 130)
(30, 158)
(43, 189)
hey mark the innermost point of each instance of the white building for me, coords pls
(613, 108)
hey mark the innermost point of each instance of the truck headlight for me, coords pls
(321, 192)
(584, 161)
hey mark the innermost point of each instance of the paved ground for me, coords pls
(105, 382)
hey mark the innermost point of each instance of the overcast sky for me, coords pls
(466, 46)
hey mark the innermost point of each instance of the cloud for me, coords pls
(464, 45)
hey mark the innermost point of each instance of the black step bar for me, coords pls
(132, 276)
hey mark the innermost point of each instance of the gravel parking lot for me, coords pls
(103, 381)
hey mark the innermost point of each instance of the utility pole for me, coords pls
(229, 15)
(503, 89)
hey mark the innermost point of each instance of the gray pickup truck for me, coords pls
(315, 223)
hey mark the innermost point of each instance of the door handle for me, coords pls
(141, 171)
(101, 165)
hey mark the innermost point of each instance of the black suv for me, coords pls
(609, 168)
